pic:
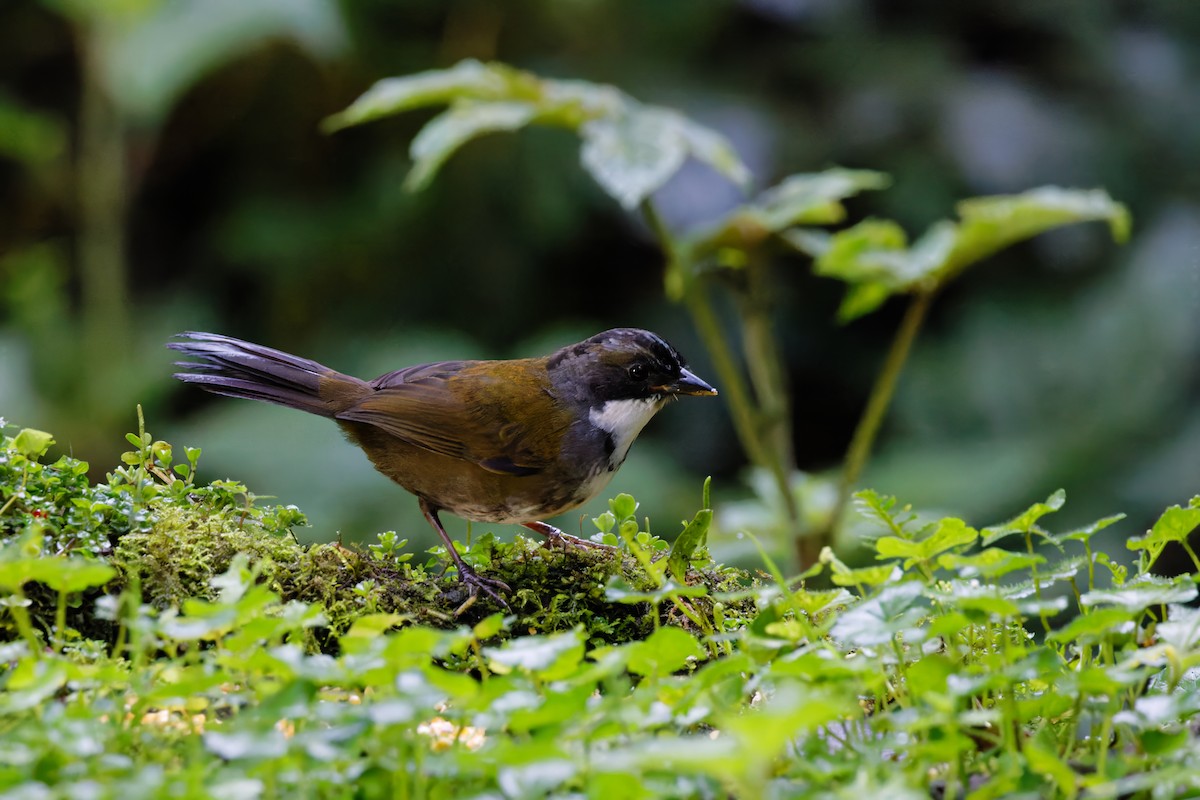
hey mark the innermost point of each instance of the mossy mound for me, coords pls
(553, 589)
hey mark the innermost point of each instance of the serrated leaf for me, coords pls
(875, 253)
(633, 153)
(468, 79)
(990, 224)
(1095, 625)
(453, 128)
(1025, 521)
(708, 146)
(950, 532)
(1175, 525)
(990, 563)
(1143, 592)
(1088, 531)
(878, 619)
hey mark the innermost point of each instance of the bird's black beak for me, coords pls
(687, 383)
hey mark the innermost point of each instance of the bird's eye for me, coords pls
(638, 372)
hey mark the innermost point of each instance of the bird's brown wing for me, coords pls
(463, 410)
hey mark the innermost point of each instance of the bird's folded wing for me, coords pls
(429, 412)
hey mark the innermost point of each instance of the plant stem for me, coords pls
(101, 192)
(760, 349)
(877, 405)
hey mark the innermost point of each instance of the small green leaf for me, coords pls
(623, 506)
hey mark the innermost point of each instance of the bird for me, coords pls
(496, 441)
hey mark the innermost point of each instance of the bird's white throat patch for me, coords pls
(624, 420)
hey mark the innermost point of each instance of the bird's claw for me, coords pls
(476, 583)
(556, 538)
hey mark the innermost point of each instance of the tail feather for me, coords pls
(235, 368)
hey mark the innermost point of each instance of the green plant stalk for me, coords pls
(102, 194)
(24, 623)
(768, 376)
(733, 384)
(877, 405)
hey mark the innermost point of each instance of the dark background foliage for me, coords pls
(162, 170)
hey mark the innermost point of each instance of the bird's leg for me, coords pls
(555, 537)
(489, 586)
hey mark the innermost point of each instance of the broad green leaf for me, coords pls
(1143, 592)
(990, 563)
(990, 224)
(617, 590)
(550, 657)
(30, 683)
(1026, 520)
(1085, 533)
(1095, 625)
(466, 80)
(709, 147)
(1175, 525)
(843, 575)
(950, 532)
(878, 619)
(875, 259)
(369, 626)
(632, 154)
(148, 60)
(1182, 629)
(451, 129)
(72, 574)
(630, 149)
(665, 651)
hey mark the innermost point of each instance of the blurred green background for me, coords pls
(161, 169)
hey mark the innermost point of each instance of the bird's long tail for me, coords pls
(232, 367)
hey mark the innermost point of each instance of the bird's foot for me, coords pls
(476, 583)
(556, 538)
